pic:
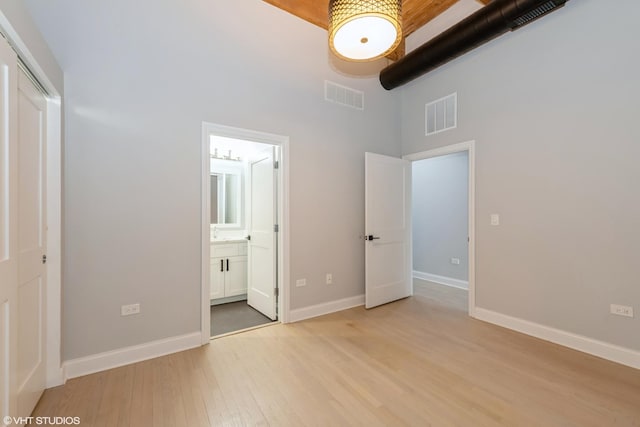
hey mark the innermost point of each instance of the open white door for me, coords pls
(261, 292)
(388, 229)
(8, 232)
(31, 375)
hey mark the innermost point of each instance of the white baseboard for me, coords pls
(325, 308)
(597, 348)
(56, 378)
(112, 359)
(443, 280)
(225, 300)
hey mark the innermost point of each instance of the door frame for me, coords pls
(470, 147)
(282, 211)
(55, 373)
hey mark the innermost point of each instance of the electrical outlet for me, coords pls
(455, 261)
(128, 310)
(329, 279)
(301, 282)
(495, 219)
(621, 310)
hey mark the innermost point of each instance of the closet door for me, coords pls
(8, 232)
(31, 374)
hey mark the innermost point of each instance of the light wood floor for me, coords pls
(419, 361)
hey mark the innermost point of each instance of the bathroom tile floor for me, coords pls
(235, 316)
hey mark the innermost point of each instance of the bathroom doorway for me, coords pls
(243, 226)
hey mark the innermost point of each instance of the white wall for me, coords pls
(553, 108)
(140, 78)
(440, 215)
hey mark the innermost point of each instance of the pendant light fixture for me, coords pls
(364, 30)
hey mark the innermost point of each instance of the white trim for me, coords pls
(226, 300)
(250, 328)
(470, 147)
(55, 375)
(24, 53)
(597, 348)
(205, 243)
(325, 308)
(125, 356)
(283, 216)
(443, 280)
(283, 236)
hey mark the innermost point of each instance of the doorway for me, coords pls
(244, 221)
(443, 233)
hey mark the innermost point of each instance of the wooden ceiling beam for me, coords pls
(314, 11)
(415, 14)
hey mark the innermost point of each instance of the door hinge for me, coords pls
(276, 292)
(276, 165)
(276, 228)
(44, 259)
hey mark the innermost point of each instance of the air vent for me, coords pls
(441, 114)
(343, 95)
(536, 13)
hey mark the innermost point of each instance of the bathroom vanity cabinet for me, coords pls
(228, 280)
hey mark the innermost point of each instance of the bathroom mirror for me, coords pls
(226, 199)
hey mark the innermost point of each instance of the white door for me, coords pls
(388, 229)
(8, 232)
(261, 292)
(31, 245)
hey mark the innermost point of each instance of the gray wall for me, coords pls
(16, 12)
(140, 77)
(553, 108)
(440, 215)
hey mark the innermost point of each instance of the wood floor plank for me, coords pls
(419, 361)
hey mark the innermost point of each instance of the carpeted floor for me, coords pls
(235, 316)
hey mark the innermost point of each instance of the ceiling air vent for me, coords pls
(343, 95)
(536, 13)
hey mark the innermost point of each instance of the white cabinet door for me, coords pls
(236, 276)
(216, 273)
(388, 229)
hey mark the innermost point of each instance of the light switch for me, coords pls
(495, 219)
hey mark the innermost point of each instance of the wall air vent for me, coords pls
(536, 13)
(441, 114)
(343, 95)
